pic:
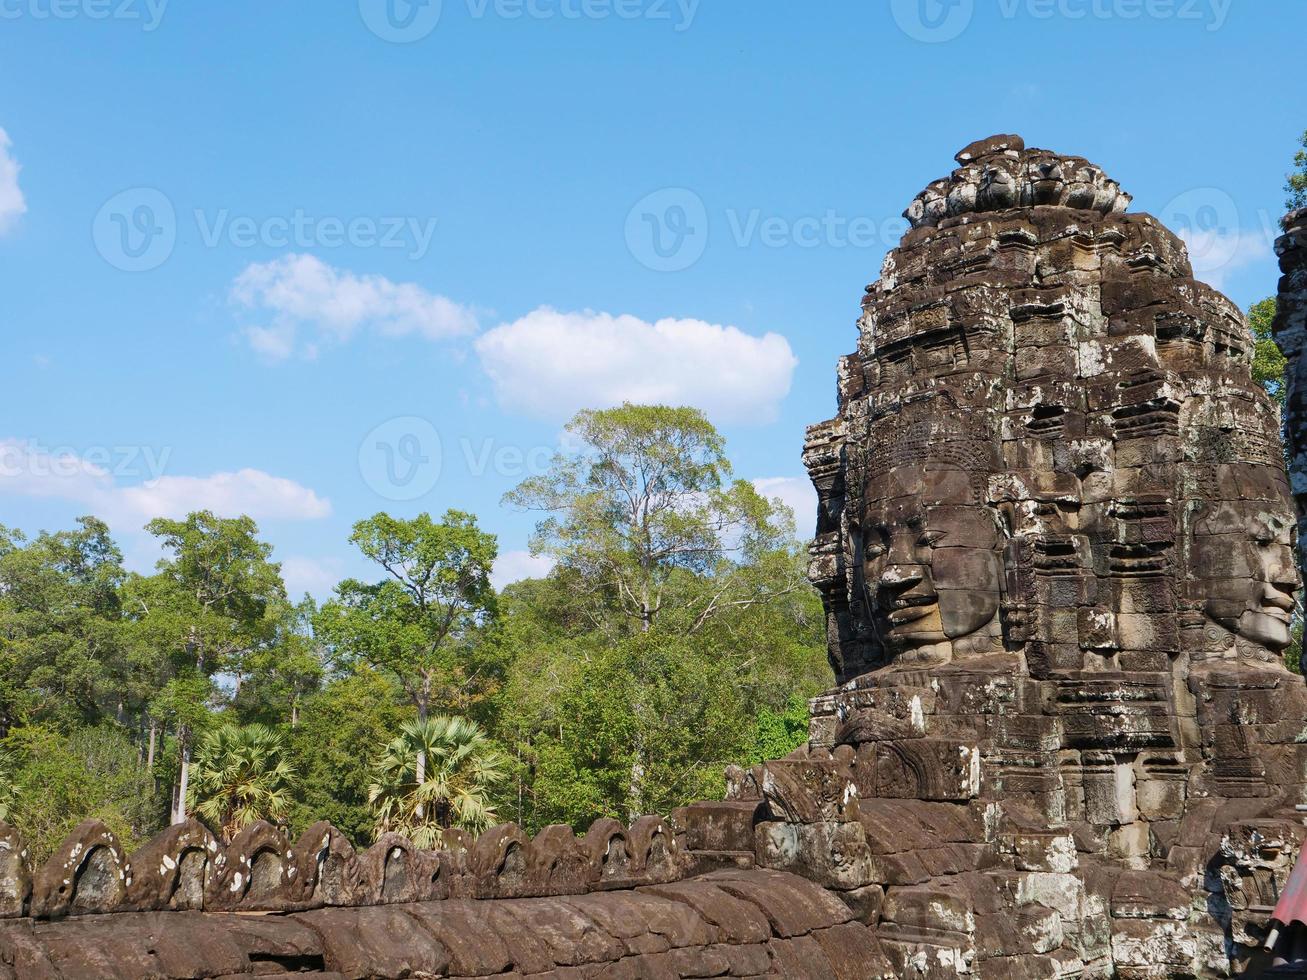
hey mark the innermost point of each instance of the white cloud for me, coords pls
(12, 203)
(300, 294)
(513, 566)
(551, 364)
(316, 576)
(253, 492)
(1214, 255)
(798, 494)
(30, 470)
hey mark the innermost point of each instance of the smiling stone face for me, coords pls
(932, 575)
(930, 564)
(1242, 567)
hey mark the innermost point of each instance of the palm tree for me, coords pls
(462, 769)
(239, 776)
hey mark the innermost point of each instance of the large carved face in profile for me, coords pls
(1242, 564)
(931, 564)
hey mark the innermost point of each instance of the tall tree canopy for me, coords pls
(214, 603)
(1268, 360)
(677, 611)
(647, 500)
(61, 642)
(1296, 183)
(419, 621)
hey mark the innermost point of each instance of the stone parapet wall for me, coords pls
(186, 868)
(728, 924)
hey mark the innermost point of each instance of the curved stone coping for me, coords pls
(999, 173)
(726, 924)
(185, 868)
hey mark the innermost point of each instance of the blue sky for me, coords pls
(313, 260)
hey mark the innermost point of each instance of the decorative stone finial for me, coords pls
(989, 146)
(999, 173)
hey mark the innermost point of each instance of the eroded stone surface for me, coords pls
(1055, 550)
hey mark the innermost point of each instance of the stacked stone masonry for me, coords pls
(1056, 551)
(1055, 548)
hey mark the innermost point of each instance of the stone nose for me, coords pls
(901, 576)
(1279, 593)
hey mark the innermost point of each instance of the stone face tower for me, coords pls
(1056, 549)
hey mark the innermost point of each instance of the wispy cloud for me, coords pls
(28, 470)
(316, 576)
(514, 566)
(550, 364)
(12, 203)
(298, 303)
(797, 493)
(1214, 255)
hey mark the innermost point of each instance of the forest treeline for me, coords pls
(675, 634)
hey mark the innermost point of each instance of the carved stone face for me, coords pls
(932, 571)
(1243, 561)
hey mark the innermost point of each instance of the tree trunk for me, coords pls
(149, 759)
(421, 774)
(635, 791)
(184, 737)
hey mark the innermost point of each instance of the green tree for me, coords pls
(7, 794)
(61, 639)
(651, 537)
(240, 775)
(1296, 182)
(645, 501)
(421, 623)
(454, 788)
(281, 674)
(59, 780)
(778, 733)
(330, 750)
(214, 602)
(641, 725)
(1268, 360)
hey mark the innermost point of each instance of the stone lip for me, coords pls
(999, 173)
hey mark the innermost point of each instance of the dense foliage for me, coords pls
(1296, 182)
(675, 635)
